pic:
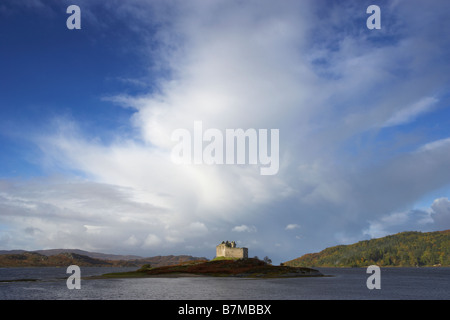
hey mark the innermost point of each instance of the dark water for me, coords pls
(343, 283)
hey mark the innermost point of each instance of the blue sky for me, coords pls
(86, 118)
(50, 72)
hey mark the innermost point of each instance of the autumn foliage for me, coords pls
(405, 249)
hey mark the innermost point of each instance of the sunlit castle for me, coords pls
(229, 250)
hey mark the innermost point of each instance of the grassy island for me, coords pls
(248, 268)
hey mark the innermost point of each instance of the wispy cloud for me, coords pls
(292, 226)
(244, 228)
(434, 145)
(410, 113)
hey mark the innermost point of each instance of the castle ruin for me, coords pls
(229, 250)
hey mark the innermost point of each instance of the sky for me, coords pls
(87, 116)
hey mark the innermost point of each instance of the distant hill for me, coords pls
(66, 257)
(406, 249)
(97, 255)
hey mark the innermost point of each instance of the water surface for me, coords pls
(341, 284)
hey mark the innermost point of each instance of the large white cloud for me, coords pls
(305, 68)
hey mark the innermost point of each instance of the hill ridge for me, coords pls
(66, 257)
(98, 255)
(407, 249)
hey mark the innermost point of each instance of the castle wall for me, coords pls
(224, 251)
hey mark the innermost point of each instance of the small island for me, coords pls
(230, 261)
(227, 267)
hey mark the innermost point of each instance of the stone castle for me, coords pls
(229, 250)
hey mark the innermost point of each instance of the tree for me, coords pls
(267, 260)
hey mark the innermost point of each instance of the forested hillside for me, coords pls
(402, 249)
